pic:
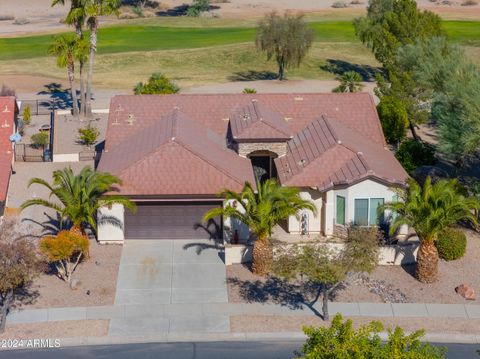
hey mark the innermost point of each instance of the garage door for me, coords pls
(172, 220)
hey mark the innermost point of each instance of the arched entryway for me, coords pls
(263, 164)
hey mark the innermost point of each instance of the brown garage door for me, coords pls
(172, 220)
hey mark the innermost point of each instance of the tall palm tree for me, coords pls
(68, 49)
(92, 10)
(350, 81)
(76, 18)
(429, 210)
(79, 197)
(261, 210)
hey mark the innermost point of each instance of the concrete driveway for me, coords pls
(171, 271)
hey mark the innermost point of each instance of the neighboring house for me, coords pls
(174, 153)
(8, 112)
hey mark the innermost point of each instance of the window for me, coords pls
(340, 210)
(376, 218)
(361, 212)
(366, 212)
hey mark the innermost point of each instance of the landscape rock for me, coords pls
(74, 284)
(466, 291)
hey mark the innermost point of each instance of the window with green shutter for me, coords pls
(361, 212)
(376, 217)
(340, 210)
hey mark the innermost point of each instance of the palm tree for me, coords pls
(430, 210)
(261, 210)
(350, 81)
(76, 17)
(68, 49)
(92, 10)
(79, 197)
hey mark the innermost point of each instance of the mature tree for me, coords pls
(454, 84)
(350, 81)
(158, 83)
(79, 197)
(389, 25)
(65, 251)
(197, 7)
(394, 119)
(18, 264)
(287, 39)
(261, 210)
(91, 10)
(413, 154)
(341, 340)
(76, 17)
(430, 210)
(68, 49)
(327, 268)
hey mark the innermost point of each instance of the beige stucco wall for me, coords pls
(232, 224)
(245, 148)
(314, 221)
(110, 224)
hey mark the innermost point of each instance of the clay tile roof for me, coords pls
(326, 153)
(175, 156)
(8, 108)
(257, 122)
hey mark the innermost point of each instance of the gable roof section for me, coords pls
(256, 122)
(175, 155)
(327, 153)
(8, 108)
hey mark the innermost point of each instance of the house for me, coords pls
(175, 153)
(8, 112)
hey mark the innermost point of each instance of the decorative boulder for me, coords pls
(466, 291)
(74, 284)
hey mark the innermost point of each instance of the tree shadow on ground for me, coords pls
(252, 75)
(215, 236)
(339, 67)
(293, 295)
(23, 296)
(52, 225)
(59, 98)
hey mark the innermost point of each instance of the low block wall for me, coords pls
(389, 255)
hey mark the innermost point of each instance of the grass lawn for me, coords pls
(132, 38)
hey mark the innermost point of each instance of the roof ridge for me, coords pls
(221, 169)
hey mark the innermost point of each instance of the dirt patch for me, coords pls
(244, 286)
(97, 275)
(266, 323)
(54, 330)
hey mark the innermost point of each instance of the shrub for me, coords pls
(198, 7)
(40, 139)
(249, 90)
(394, 119)
(27, 115)
(65, 252)
(21, 21)
(7, 91)
(6, 17)
(451, 244)
(157, 84)
(339, 4)
(88, 135)
(412, 154)
(469, 3)
(342, 340)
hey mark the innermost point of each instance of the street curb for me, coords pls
(439, 338)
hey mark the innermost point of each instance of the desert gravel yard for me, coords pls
(243, 286)
(97, 276)
(52, 330)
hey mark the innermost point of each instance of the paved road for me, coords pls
(212, 350)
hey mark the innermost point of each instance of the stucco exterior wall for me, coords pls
(232, 224)
(314, 221)
(245, 148)
(110, 224)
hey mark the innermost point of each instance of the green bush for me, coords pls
(40, 139)
(394, 119)
(27, 115)
(249, 90)
(451, 244)
(157, 84)
(198, 7)
(412, 154)
(88, 135)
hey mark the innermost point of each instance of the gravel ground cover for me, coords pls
(56, 330)
(394, 283)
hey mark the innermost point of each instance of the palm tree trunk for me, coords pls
(73, 90)
(262, 256)
(93, 49)
(427, 262)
